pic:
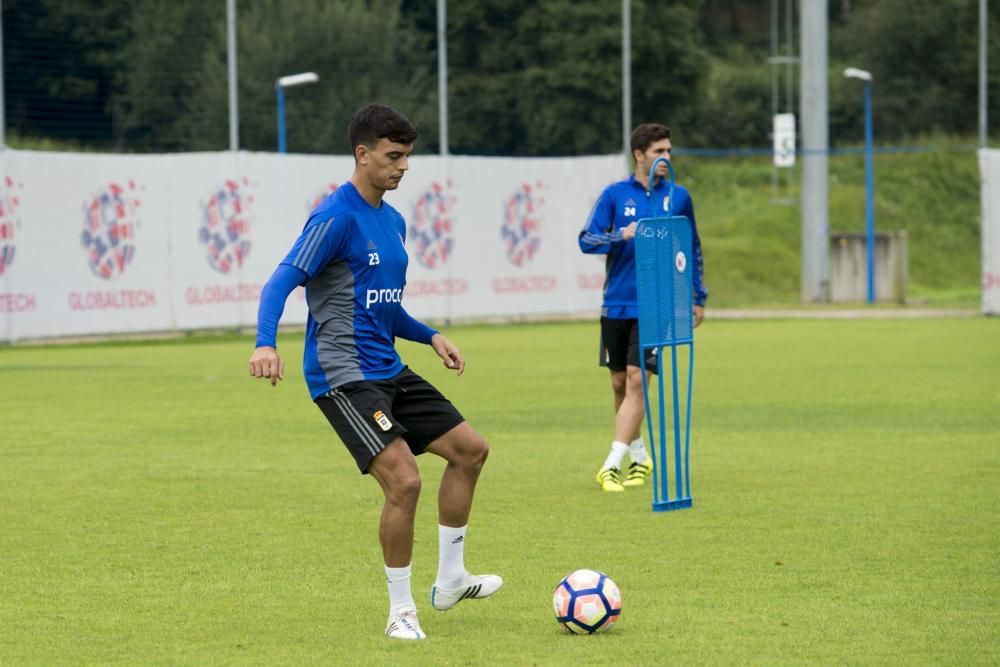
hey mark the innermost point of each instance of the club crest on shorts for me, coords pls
(382, 420)
(680, 261)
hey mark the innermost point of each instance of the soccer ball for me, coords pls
(587, 601)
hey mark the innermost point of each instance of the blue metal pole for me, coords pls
(664, 478)
(678, 473)
(869, 194)
(687, 423)
(280, 91)
(649, 427)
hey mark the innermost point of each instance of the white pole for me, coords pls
(626, 76)
(815, 145)
(442, 44)
(234, 112)
(3, 119)
(984, 136)
(774, 88)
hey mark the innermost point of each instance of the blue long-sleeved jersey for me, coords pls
(619, 205)
(352, 260)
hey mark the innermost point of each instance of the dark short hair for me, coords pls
(377, 121)
(644, 135)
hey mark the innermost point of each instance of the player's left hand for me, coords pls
(699, 314)
(449, 354)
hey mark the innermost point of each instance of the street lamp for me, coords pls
(279, 87)
(866, 76)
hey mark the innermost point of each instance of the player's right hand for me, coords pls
(628, 232)
(265, 363)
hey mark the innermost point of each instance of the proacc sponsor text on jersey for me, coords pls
(376, 296)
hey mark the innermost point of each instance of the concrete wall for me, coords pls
(849, 268)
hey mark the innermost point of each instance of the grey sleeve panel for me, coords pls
(331, 303)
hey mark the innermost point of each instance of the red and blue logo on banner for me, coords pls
(110, 220)
(225, 225)
(318, 198)
(431, 227)
(522, 222)
(8, 223)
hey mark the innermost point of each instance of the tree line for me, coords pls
(525, 77)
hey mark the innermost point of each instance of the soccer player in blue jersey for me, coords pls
(352, 261)
(610, 231)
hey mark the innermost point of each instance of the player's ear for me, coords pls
(361, 154)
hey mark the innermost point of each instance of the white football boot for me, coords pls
(476, 586)
(404, 625)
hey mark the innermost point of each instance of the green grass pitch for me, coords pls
(158, 506)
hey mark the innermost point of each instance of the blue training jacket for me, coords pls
(619, 205)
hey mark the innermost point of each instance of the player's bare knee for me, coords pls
(482, 452)
(474, 454)
(634, 386)
(618, 384)
(404, 490)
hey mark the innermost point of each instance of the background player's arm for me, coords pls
(598, 235)
(698, 277)
(265, 362)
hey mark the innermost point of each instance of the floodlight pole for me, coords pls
(279, 89)
(234, 113)
(3, 119)
(814, 116)
(442, 45)
(854, 73)
(627, 78)
(280, 93)
(984, 135)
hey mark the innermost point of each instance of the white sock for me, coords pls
(451, 556)
(400, 595)
(618, 451)
(637, 450)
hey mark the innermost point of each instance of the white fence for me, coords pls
(103, 244)
(989, 168)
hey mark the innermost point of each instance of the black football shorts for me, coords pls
(620, 345)
(369, 414)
